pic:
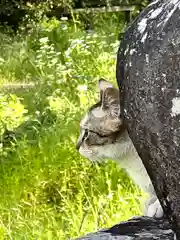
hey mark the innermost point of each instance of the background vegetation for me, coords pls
(48, 191)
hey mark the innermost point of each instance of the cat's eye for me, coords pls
(85, 134)
(100, 135)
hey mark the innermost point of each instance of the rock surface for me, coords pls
(137, 228)
(148, 72)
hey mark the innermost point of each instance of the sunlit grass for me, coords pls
(48, 191)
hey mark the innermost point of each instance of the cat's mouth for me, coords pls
(91, 154)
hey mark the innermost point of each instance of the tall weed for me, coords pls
(48, 190)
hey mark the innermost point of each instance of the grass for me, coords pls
(48, 191)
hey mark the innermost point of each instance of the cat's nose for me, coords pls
(78, 144)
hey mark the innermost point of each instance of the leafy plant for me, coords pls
(48, 191)
(12, 113)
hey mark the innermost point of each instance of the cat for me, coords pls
(103, 135)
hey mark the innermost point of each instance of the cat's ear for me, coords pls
(111, 101)
(104, 84)
(110, 97)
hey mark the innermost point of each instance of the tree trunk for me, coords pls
(148, 73)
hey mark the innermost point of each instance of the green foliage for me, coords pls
(24, 14)
(14, 13)
(48, 191)
(12, 113)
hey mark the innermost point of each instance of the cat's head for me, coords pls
(101, 126)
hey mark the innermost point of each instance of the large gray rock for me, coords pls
(143, 228)
(148, 72)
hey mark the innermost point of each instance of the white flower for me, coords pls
(82, 87)
(44, 40)
(64, 18)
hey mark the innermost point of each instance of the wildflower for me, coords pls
(44, 40)
(64, 18)
(82, 87)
